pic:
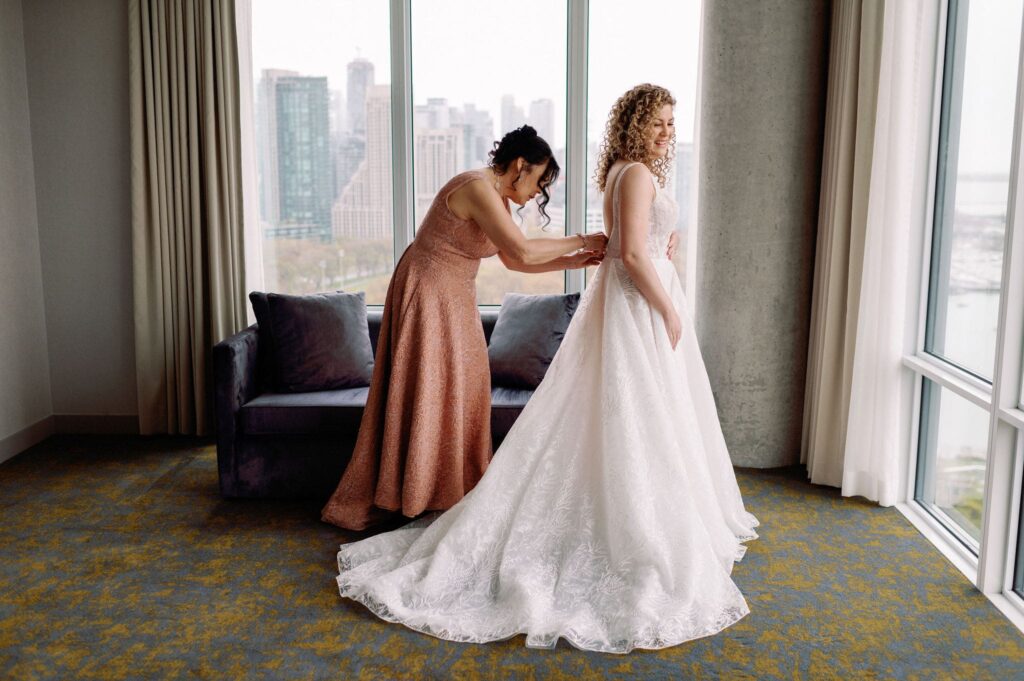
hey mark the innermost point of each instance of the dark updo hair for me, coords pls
(525, 143)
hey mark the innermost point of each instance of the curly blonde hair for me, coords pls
(624, 134)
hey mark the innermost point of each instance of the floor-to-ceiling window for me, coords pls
(502, 66)
(362, 110)
(967, 464)
(321, 74)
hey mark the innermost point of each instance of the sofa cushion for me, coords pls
(319, 341)
(527, 335)
(304, 413)
(265, 356)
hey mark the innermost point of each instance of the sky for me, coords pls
(990, 84)
(475, 51)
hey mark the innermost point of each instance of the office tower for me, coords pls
(511, 115)
(360, 79)
(477, 136)
(338, 114)
(434, 114)
(348, 152)
(266, 146)
(364, 210)
(437, 153)
(542, 117)
(294, 155)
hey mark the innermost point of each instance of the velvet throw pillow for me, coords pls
(265, 358)
(526, 337)
(316, 342)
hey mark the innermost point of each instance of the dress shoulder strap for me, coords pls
(615, 191)
(460, 180)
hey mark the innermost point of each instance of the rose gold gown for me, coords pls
(425, 437)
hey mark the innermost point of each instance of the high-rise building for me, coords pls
(542, 118)
(304, 160)
(338, 116)
(364, 209)
(347, 153)
(477, 136)
(360, 79)
(434, 114)
(438, 153)
(511, 115)
(294, 155)
(266, 146)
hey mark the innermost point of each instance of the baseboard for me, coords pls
(26, 437)
(96, 424)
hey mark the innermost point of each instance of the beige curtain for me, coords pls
(186, 173)
(856, 40)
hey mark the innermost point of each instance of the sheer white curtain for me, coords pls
(250, 206)
(881, 394)
(859, 398)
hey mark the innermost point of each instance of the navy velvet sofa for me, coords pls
(297, 445)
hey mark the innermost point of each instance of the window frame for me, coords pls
(403, 139)
(992, 569)
(402, 142)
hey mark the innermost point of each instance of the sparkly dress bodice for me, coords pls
(663, 215)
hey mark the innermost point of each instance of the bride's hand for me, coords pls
(673, 244)
(674, 327)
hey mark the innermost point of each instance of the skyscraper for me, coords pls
(360, 79)
(338, 115)
(477, 135)
(266, 147)
(364, 209)
(438, 155)
(542, 117)
(511, 115)
(294, 155)
(434, 114)
(348, 152)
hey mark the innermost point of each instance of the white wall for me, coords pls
(77, 67)
(25, 399)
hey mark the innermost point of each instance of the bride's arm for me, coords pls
(636, 196)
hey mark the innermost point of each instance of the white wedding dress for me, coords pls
(609, 516)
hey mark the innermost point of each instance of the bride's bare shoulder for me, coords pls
(635, 180)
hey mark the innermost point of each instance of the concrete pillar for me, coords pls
(761, 122)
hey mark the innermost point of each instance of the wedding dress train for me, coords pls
(610, 515)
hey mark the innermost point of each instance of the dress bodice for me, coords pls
(662, 219)
(449, 240)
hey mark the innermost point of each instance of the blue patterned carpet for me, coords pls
(118, 559)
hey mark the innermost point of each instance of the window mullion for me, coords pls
(993, 560)
(401, 124)
(576, 132)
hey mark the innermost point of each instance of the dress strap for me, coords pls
(462, 179)
(615, 193)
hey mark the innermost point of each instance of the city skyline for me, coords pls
(447, 139)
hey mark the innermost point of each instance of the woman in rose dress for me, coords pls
(425, 437)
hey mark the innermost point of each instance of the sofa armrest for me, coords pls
(235, 381)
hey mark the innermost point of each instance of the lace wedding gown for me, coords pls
(609, 516)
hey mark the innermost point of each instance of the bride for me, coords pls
(610, 515)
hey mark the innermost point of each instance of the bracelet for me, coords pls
(582, 238)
